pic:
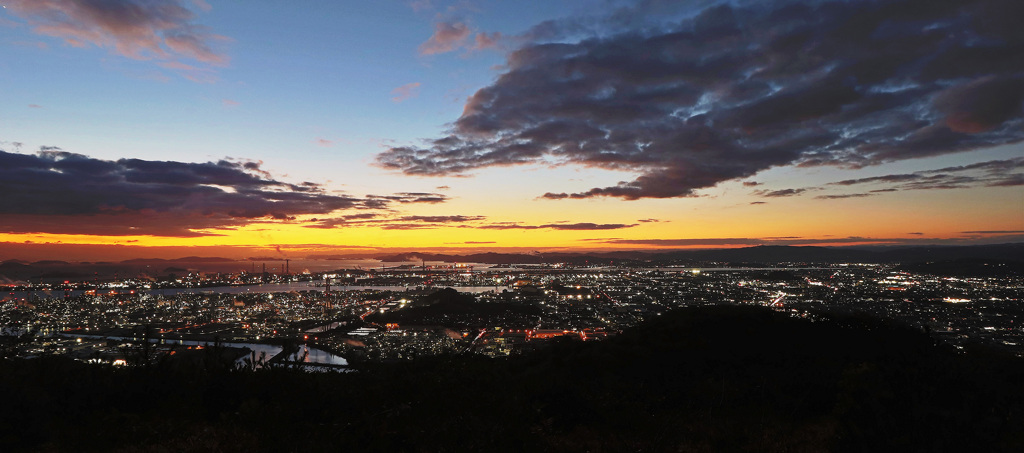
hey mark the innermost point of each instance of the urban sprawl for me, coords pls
(335, 319)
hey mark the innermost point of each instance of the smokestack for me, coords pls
(287, 270)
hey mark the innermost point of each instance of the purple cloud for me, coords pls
(138, 29)
(689, 99)
(55, 191)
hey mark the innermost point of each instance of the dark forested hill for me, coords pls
(707, 379)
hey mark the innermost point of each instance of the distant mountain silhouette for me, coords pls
(762, 254)
(187, 259)
(51, 263)
(968, 267)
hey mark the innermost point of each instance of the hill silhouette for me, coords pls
(761, 254)
(709, 379)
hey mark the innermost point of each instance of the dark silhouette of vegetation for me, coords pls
(703, 379)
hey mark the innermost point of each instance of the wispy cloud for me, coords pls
(781, 192)
(584, 226)
(419, 222)
(164, 30)
(1007, 236)
(448, 36)
(993, 173)
(409, 197)
(201, 4)
(994, 232)
(484, 41)
(407, 222)
(404, 92)
(452, 35)
(421, 5)
(845, 195)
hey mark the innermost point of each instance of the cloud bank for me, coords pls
(726, 91)
(54, 191)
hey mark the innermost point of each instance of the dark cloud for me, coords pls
(55, 191)
(392, 223)
(441, 218)
(688, 242)
(345, 220)
(780, 193)
(983, 104)
(405, 198)
(886, 178)
(408, 226)
(991, 173)
(845, 195)
(418, 222)
(585, 226)
(688, 99)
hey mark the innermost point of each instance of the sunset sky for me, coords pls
(139, 128)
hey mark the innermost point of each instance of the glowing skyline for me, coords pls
(135, 128)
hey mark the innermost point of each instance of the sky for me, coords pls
(165, 128)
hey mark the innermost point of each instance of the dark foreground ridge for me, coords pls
(719, 378)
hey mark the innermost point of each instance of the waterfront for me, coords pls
(265, 288)
(309, 355)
